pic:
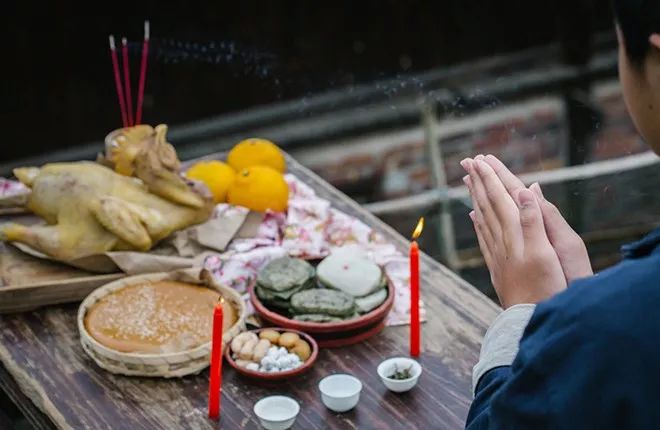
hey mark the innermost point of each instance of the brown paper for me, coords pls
(94, 263)
(250, 227)
(215, 234)
(134, 263)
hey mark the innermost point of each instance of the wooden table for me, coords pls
(47, 374)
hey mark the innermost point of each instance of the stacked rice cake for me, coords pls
(356, 276)
(281, 279)
(353, 285)
(349, 285)
(322, 305)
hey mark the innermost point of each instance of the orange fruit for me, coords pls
(256, 152)
(216, 175)
(259, 188)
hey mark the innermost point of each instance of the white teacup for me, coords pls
(340, 392)
(277, 412)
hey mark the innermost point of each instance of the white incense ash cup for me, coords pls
(401, 366)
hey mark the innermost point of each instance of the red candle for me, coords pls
(415, 329)
(215, 383)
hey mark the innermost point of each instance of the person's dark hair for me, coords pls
(638, 20)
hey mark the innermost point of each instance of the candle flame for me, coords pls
(222, 300)
(418, 230)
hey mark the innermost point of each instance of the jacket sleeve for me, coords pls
(570, 372)
(489, 384)
(498, 350)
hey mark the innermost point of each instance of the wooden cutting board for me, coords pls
(27, 282)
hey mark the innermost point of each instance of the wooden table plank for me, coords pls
(27, 282)
(41, 351)
(38, 419)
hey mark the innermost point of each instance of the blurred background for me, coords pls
(381, 98)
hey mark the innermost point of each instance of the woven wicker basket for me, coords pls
(167, 365)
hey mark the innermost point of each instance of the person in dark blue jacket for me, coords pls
(571, 350)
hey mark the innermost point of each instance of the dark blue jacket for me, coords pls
(589, 358)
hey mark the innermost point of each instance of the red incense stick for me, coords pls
(127, 81)
(143, 73)
(120, 92)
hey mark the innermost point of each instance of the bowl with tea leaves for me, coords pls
(399, 374)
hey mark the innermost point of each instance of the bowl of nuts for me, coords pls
(272, 354)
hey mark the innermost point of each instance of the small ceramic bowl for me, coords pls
(277, 412)
(266, 378)
(340, 392)
(391, 365)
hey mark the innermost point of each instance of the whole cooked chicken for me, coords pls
(90, 208)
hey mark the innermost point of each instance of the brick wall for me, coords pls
(528, 136)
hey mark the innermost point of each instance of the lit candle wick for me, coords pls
(418, 229)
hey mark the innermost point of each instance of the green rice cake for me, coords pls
(269, 300)
(322, 301)
(268, 294)
(372, 301)
(285, 273)
(317, 318)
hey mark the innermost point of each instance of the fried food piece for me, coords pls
(239, 340)
(302, 349)
(288, 339)
(270, 334)
(260, 350)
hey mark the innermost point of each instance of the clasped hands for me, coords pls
(530, 250)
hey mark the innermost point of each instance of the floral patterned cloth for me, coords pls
(311, 229)
(12, 193)
(11, 188)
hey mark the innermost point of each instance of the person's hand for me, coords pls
(568, 244)
(523, 265)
